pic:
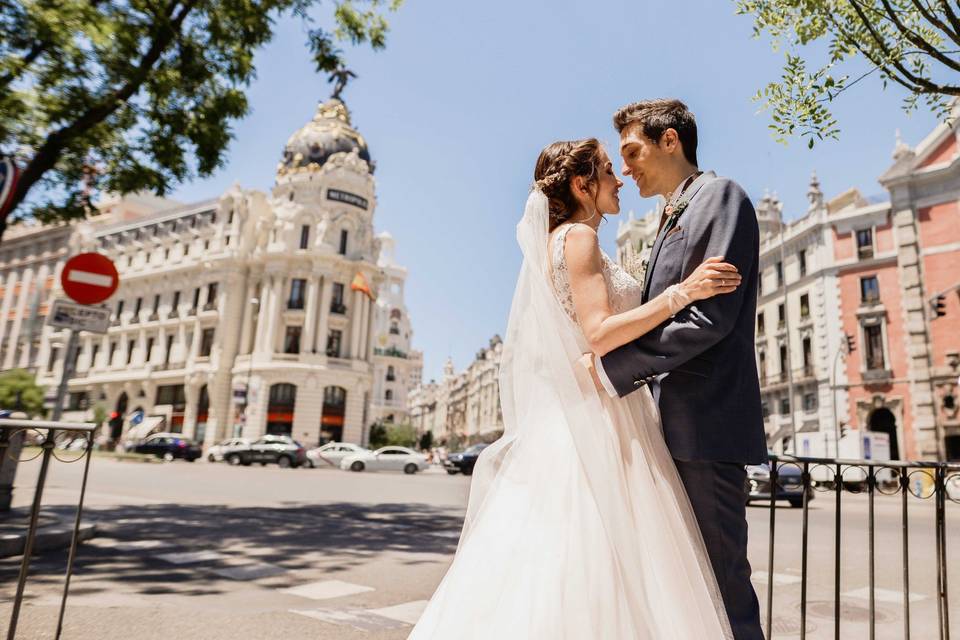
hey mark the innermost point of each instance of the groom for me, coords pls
(699, 364)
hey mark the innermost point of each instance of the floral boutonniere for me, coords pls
(675, 213)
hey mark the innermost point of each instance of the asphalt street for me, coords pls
(211, 551)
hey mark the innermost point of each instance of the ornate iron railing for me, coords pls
(56, 440)
(935, 481)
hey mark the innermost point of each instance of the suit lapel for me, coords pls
(692, 190)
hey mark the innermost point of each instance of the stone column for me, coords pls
(371, 323)
(310, 318)
(917, 338)
(323, 328)
(247, 322)
(220, 385)
(356, 311)
(364, 328)
(259, 345)
(276, 309)
(191, 393)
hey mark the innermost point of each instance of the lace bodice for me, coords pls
(623, 290)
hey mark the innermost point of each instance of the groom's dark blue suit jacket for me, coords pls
(710, 399)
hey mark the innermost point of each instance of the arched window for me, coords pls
(388, 396)
(334, 412)
(280, 410)
(391, 374)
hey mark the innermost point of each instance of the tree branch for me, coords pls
(934, 20)
(25, 62)
(49, 152)
(920, 85)
(951, 16)
(917, 40)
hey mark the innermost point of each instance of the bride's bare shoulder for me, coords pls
(581, 246)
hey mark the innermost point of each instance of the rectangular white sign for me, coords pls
(79, 317)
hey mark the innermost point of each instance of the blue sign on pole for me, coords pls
(136, 418)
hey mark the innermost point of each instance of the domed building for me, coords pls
(251, 313)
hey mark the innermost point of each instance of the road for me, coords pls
(211, 551)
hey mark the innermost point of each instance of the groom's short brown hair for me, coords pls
(656, 116)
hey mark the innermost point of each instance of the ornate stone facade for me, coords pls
(252, 313)
(464, 406)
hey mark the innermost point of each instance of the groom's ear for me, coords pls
(670, 141)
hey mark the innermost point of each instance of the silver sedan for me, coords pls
(386, 459)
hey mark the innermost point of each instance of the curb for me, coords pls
(48, 539)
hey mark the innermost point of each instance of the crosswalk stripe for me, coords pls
(252, 571)
(779, 579)
(190, 557)
(408, 612)
(883, 595)
(327, 589)
(356, 618)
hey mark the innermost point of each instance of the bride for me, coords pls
(577, 526)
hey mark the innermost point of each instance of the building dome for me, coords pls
(327, 134)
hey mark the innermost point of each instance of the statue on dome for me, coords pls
(340, 78)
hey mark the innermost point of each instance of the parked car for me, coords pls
(330, 454)
(464, 461)
(218, 452)
(789, 484)
(169, 446)
(283, 450)
(386, 459)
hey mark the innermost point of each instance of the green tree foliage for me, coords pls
(121, 96)
(392, 435)
(911, 43)
(19, 382)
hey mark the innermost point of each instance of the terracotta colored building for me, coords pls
(893, 259)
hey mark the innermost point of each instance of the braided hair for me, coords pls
(557, 165)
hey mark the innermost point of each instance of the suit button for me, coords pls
(637, 383)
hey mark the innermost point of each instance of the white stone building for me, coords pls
(463, 406)
(272, 298)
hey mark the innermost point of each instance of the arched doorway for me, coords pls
(283, 398)
(203, 410)
(882, 420)
(334, 411)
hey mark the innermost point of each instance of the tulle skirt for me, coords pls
(538, 562)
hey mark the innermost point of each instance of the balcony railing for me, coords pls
(336, 307)
(392, 352)
(909, 481)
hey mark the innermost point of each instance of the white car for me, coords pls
(332, 453)
(386, 459)
(217, 452)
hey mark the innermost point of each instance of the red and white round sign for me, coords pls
(89, 278)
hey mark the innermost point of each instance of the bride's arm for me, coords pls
(605, 330)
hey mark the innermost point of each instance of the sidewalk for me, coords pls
(54, 531)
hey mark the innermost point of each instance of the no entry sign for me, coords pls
(89, 278)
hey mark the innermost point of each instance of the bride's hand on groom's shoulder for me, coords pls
(713, 277)
(587, 362)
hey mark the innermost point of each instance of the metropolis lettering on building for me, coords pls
(347, 197)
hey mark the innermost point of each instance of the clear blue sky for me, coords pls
(458, 106)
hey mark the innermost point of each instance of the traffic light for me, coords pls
(939, 306)
(116, 425)
(851, 346)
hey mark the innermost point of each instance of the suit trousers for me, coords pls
(718, 496)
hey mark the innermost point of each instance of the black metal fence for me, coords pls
(66, 442)
(908, 481)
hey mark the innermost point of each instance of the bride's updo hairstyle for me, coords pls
(556, 167)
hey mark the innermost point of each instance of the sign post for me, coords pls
(88, 279)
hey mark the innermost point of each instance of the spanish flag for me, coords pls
(360, 284)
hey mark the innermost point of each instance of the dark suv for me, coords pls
(169, 446)
(283, 450)
(464, 461)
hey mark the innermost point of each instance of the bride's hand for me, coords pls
(587, 362)
(711, 278)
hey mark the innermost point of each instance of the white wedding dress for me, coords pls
(577, 525)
